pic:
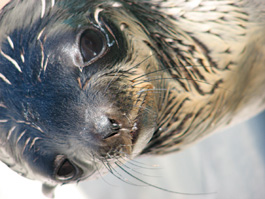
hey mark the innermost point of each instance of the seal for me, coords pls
(87, 85)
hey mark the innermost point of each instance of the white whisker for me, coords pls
(11, 60)
(10, 42)
(34, 141)
(43, 3)
(22, 57)
(3, 121)
(52, 3)
(10, 132)
(40, 34)
(25, 145)
(5, 79)
(20, 136)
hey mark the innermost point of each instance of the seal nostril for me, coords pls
(115, 125)
(115, 128)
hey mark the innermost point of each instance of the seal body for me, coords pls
(86, 86)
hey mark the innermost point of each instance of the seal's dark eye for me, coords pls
(65, 169)
(92, 44)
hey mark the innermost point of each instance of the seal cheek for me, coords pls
(146, 116)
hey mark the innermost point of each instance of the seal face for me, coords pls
(86, 86)
(69, 104)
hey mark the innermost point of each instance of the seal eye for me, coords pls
(65, 169)
(92, 44)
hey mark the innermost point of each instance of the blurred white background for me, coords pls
(229, 163)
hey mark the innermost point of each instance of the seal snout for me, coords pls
(107, 127)
(112, 136)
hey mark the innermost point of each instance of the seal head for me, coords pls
(68, 106)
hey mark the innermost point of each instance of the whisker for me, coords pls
(160, 188)
(138, 164)
(180, 78)
(117, 175)
(157, 90)
(168, 68)
(101, 176)
(112, 79)
(135, 171)
(144, 60)
(168, 78)
(121, 71)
